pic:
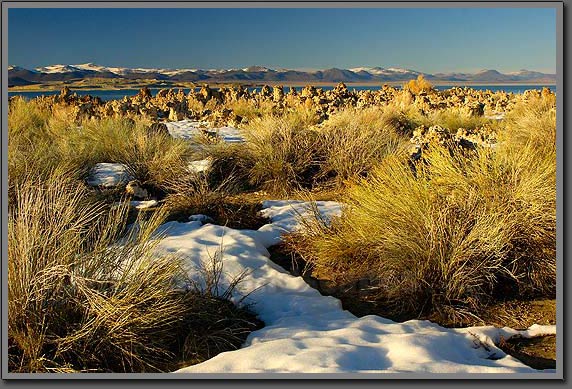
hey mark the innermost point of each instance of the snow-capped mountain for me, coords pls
(57, 69)
(61, 72)
(377, 71)
(255, 68)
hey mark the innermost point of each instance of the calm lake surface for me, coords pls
(119, 94)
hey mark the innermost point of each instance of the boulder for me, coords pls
(278, 93)
(134, 189)
(175, 115)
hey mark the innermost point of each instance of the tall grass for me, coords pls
(453, 119)
(251, 109)
(87, 294)
(355, 140)
(291, 152)
(152, 158)
(33, 146)
(197, 195)
(41, 139)
(76, 300)
(283, 151)
(27, 118)
(468, 228)
(531, 121)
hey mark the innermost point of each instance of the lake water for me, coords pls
(119, 94)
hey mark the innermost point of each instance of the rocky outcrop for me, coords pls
(469, 139)
(209, 104)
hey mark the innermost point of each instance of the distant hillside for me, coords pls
(18, 76)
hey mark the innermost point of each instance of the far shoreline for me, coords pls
(59, 86)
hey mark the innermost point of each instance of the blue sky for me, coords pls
(429, 40)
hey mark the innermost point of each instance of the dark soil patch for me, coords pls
(234, 211)
(521, 314)
(215, 326)
(538, 353)
(240, 215)
(356, 297)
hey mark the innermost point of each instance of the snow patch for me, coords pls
(306, 332)
(185, 129)
(143, 204)
(188, 129)
(109, 175)
(200, 166)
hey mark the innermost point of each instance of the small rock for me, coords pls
(135, 189)
(201, 218)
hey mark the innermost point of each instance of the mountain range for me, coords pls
(18, 76)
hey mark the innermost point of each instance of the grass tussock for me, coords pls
(531, 121)
(466, 229)
(76, 301)
(453, 119)
(39, 143)
(87, 294)
(42, 140)
(355, 140)
(283, 150)
(197, 195)
(251, 109)
(27, 118)
(290, 152)
(152, 158)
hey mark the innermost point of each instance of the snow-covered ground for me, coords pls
(306, 332)
(188, 129)
(108, 175)
(185, 129)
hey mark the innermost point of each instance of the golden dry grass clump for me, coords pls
(283, 150)
(42, 139)
(354, 140)
(289, 152)
(250, 109)
(77, 300)
(86, 293)
(467, 228)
